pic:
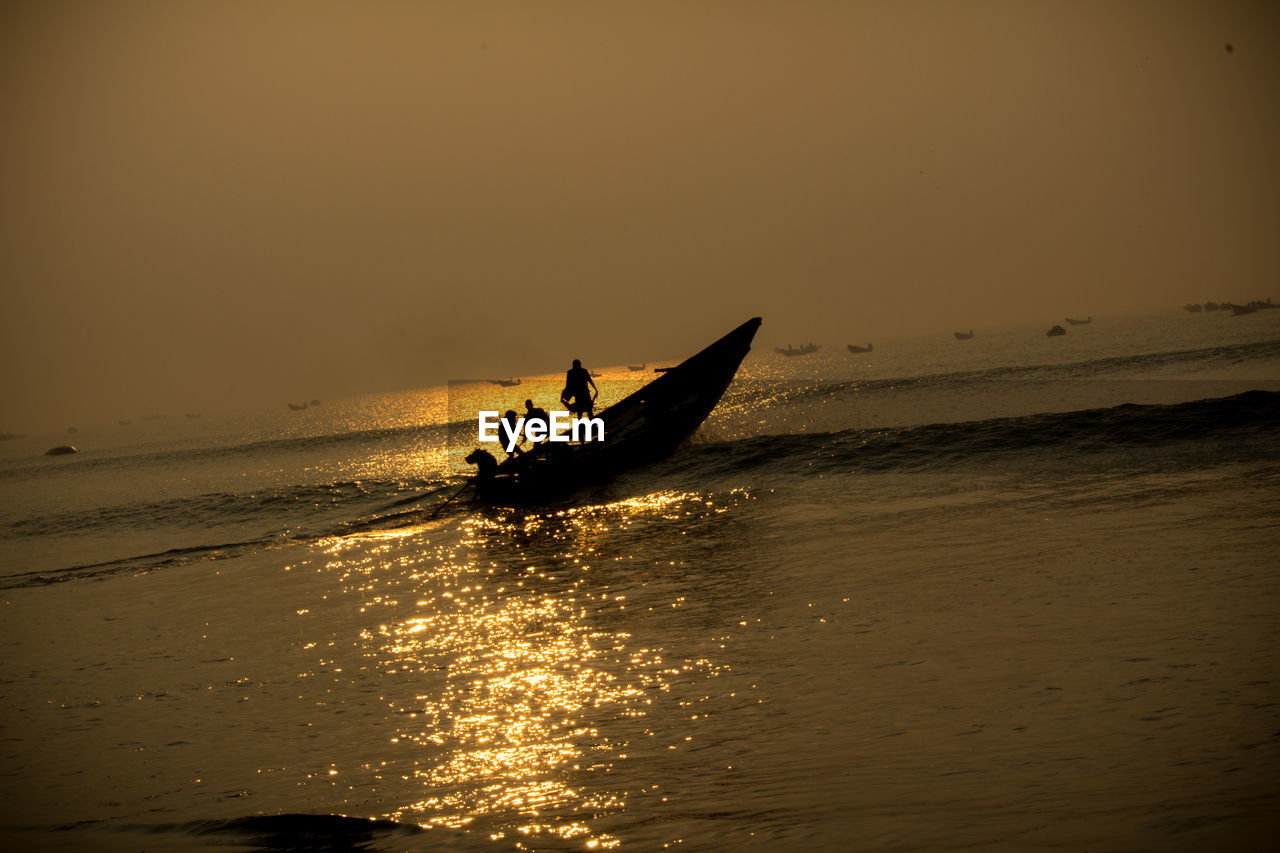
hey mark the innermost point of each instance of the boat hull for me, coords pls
(643, 427)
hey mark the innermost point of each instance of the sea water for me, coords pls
(1014, 592)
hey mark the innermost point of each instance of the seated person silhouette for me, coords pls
(487, 465)
(534, 413)
(575, 396)
(510, 422)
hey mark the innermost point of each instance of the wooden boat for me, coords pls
(505, 383)
(1192, 307)
(642, 427)
(635, 367)
(964, 336)
(804, 350)
(856, 349)
(1071, 322)
(1054, 331)
(297, 407)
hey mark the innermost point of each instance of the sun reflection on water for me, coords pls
(508, 717)
(501, 645)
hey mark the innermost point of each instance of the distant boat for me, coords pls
(1251, 307)
(595, 375)
(61, 450)
(661, 369)
(634, 367)
(853, 348)
(1194, 309)
(964, 336)
(315, 402)
(1212, 306)
(1080, 322)
(9, 436)
(505, 383)
(297, 407)
(793, 351)
(1056, 331)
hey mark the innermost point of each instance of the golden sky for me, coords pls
(213, 200)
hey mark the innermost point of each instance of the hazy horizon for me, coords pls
(217, 203)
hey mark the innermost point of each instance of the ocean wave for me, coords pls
(1205, 423)
(275, 519)
(430, 434)
(227, 508)
(744, 393)
(1213, 430)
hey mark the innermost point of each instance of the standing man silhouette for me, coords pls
(575, 395)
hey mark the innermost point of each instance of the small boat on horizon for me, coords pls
(1055, 331)
(1072, 322)
(855, 349)
(634, 367)
(297, 407)
(964, 336)
(794, 351)
(505, 383)
(1252, 307)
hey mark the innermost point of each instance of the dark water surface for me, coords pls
(1007, 598)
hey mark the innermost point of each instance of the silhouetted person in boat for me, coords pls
(511, 421)
(534, 413)
(486, 464)
(575, 395)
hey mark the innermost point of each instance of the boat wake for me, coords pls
(296, 516)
